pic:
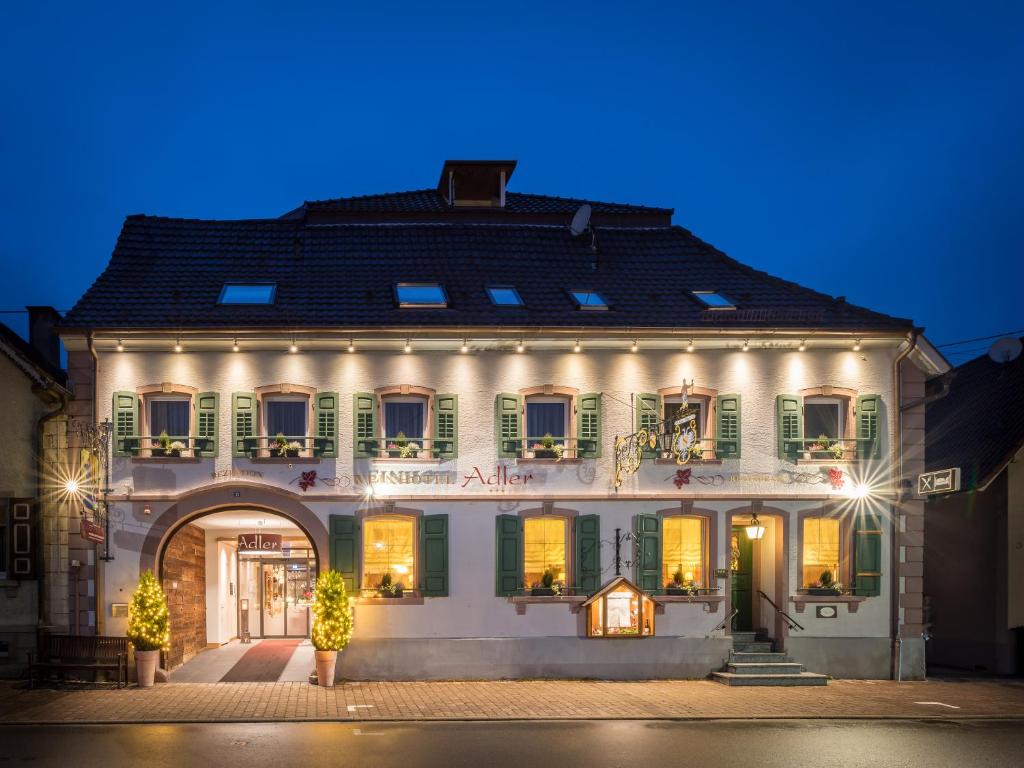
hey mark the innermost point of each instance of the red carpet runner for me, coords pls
(263, 663)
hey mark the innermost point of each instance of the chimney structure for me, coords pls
(41, 335)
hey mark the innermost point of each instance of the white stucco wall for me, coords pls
(472, 610)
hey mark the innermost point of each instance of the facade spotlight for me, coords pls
(576, 346)
(408, 346)
(690, 347)
(234, 345)
(519, 346)
(856, 346)
(177, 345)
(294, 347)
(803, 345)
(746, 346)
(635, 347)
(120, 346)
(351, 345)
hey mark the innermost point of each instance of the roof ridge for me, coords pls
(191, 220)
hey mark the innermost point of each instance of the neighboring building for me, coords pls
(33, 394)
(431, 354)
(974, 572)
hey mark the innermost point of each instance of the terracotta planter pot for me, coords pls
(146, 663)
(326, 661)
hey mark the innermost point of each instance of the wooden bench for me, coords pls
(80, 653)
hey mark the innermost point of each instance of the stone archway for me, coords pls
(175, 550)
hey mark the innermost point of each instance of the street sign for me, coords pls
(940, 481)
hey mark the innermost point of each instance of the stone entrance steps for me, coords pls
(753, 661)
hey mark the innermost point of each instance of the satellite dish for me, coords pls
(1005, 350)
(580, 220)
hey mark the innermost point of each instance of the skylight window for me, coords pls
(713, 300)
(504, 296)
(247, 293)
(421, 295)
(588, 299)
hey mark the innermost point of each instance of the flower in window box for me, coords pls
(163, 446)
(546, 586)
(547, 448)
(409, 451)
(387, 588)
(176, 448)
(825, 585)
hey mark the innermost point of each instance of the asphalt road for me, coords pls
(629, 744)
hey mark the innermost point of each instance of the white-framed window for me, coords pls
(684, 551)
(167, 416)
(389, 552)
(405, 424)
(545, 549)
(673, 405)
(547, 416)
(825, 416)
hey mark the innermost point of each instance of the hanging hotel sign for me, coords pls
(91, 531)
(940, 481)
(259, 543)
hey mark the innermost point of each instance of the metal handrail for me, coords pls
(793, 623)
(726, 620)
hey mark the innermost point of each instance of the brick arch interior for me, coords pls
(776, 626)
(172, 539)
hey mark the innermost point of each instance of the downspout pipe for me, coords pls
(897, 478)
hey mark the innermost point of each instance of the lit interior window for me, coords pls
(421, 295)
(714, 300)
(588, 299)
(248, 293)
(504, 296)
(821, 550)
(682, 542)
(389, 546)
(544, 547)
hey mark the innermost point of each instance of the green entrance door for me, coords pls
(742, 566)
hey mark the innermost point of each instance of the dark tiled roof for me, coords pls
(431, 201)
(168, 273)
(31, 355)
(979, 425)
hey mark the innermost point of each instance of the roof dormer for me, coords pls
(475, 183)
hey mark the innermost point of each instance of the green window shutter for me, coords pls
(588, 554)
(325, 417)
(446, 426)
(243, 424)
(508, 424)
(648, 567)
(647, 414)
(207, 417)
(869, 425)
(126, 423)
(867, 555)
(365, 435)
(508, 556)
(344, 538)
(727, 427)
(789, 417)
(434, 551)
(588, 426)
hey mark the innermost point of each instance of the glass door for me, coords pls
(273, 599)
(299, 595)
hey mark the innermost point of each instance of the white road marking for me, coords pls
(937, 704)
(354, 707)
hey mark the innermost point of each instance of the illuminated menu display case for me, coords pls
(620, 609)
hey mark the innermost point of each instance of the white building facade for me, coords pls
(476, 476)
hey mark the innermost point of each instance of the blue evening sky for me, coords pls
(869, 150)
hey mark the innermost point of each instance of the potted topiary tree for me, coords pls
(147, 627)
(332, 624)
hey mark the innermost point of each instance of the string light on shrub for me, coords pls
(147, 616)
(332, 616)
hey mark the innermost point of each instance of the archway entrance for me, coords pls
(237, 574)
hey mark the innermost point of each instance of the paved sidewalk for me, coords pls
(512, 700)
